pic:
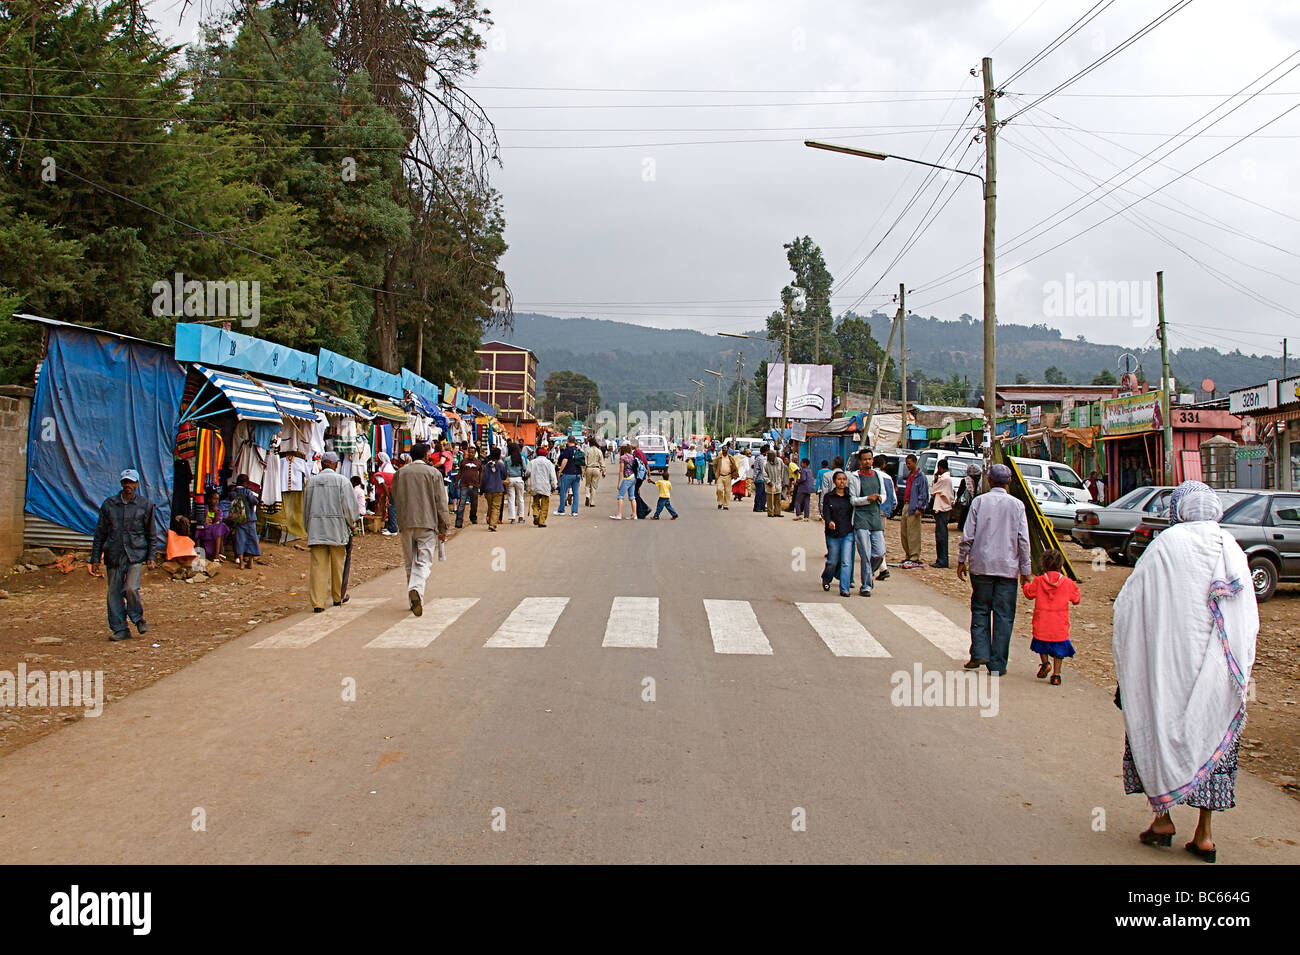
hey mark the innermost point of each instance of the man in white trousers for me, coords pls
(422, 519)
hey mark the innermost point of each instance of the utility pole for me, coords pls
(902, 353)
(1284, 359)
(785, 375)
(880, 379)
(740, 386)
(990, 217)
(1164, 384)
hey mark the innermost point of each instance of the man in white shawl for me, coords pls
(1184, 645)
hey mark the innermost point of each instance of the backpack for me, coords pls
(641, 472)
(238, 510)
(579, 458)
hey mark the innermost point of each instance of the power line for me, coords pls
(1056, 42)
(1016, 241)
(1169, 13)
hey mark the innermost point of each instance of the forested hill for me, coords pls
(629, 361)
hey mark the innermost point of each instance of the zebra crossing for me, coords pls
(633, 623)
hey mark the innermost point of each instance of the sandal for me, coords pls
(1055, 680)
(1209, 855)
(1151, 838)
(1043, 670)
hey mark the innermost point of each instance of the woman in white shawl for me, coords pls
(1184, 645)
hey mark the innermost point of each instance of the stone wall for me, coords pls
(15, 409)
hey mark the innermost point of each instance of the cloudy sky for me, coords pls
(653, 160)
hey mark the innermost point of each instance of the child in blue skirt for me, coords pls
(1052, 593)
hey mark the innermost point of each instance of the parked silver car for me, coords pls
(1110, 528)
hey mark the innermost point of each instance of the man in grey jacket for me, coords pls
(774, 475)
(542, 483)
(124, 538)
(422, 519)
(329, 511)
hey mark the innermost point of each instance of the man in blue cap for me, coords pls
(995, 552)
(124, 539)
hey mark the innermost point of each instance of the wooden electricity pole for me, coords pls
(990, 216)
(740, 386)
(902, 354)
(880, 379)
(1164, 380)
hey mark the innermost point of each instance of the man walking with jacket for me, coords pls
(774, 475)
(867, 494)
(422, 519)
(542, 483)
(329, 511)
(916, 496)
(468, 481)
(725, 472)
(995, 549)
(124, 539)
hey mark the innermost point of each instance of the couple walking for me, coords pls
(853, 519)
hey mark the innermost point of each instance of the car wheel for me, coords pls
(1263, 574)
(1121, 558)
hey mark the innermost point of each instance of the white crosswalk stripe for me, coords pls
(317, 626)
(633, 622)
(840, 630)
(415, 633)
(529, 624)
(734, 627)
(935, 627)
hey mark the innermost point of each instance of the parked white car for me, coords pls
(1056, 472)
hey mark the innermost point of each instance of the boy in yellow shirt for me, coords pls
(665, 498)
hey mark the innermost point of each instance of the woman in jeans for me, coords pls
(837, 517)
(514, 485)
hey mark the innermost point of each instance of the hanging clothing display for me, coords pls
(250, 459)
(209, 457)
(271, 480)
(187, 440)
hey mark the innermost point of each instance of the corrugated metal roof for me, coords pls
(38, 532)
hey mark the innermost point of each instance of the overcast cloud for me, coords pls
(607, 232)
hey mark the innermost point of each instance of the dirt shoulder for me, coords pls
(1271, 742)
(55, 621)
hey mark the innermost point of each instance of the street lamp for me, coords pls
(990, 212)
(717, 408)
(740, 384)
(699, 394)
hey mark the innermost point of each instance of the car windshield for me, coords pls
(1065, 477)
(1047, 492)
(651, 442)
(1132, 499)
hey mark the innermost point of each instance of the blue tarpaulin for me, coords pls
(103, 404)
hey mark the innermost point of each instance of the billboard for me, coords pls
(809, 387)
(1133, 414)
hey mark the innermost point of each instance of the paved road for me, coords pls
(771, 704)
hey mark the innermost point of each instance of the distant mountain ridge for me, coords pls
(630, 361)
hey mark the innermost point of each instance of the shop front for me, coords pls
(1132, 435)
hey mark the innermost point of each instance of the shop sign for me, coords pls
(1136, 414)
(1250, 400)
(1035, 414)
(1288, 392)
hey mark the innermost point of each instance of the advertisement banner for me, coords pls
(1134, 414)
(809, 388)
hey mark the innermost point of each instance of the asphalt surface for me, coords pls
(585, 750)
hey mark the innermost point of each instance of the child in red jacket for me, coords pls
(1052, 593)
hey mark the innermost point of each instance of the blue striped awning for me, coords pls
(290, 400)
(333, 404)
(250, 401)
